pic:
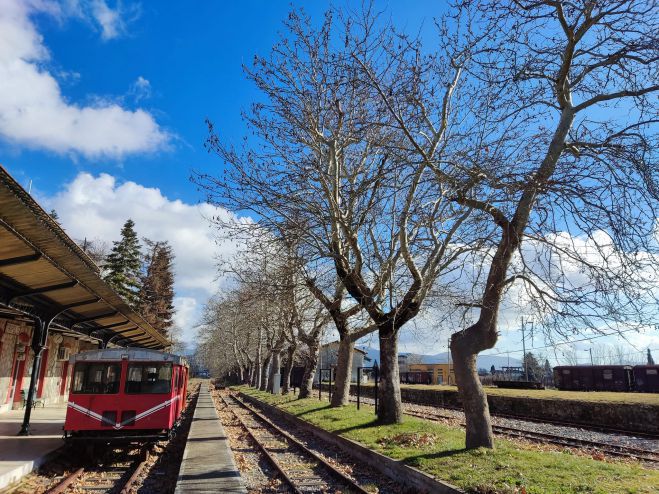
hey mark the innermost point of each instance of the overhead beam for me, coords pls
(64, 308)
(127, 330)
(95, 318)
(109, 326)
(14, 261)
(44, 289)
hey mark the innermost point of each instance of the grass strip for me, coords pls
(511, 468)
(553, 394)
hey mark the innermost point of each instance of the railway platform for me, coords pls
(208, 465)
(19, 455)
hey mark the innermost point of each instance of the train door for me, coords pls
(177, 391)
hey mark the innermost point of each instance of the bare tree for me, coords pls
(327, 165)
(567, 108)
(559, 150)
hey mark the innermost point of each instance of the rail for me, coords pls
(312, 471)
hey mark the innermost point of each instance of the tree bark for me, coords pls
(390, 410)
(251, 375)
(341, 393)
(474, 399)
(288, 368)
(311, 364)
(275, 368)
(265, 367)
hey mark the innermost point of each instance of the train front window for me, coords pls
(96, 378)
(149, 378)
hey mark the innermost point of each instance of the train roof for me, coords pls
(585, 366)
(134, 354)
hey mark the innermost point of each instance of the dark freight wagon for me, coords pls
(416, 377)
(594, 377)
(646, 378)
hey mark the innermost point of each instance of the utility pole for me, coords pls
(525, 361)
(449, 360)
(591, 356)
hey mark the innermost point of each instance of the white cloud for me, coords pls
(140, 89)
(34, 113)
(97, 207)
(110, 20)
(186, 318)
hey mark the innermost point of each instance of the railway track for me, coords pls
(301, 468)
(117, 478)
(604, 448)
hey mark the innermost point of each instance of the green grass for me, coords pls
(439, 451)
(552, 394)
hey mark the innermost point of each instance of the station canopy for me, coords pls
(44, 272)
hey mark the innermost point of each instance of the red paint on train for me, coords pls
(125, 393)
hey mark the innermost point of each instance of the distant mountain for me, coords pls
(483, 361)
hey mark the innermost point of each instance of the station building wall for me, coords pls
(16, 359)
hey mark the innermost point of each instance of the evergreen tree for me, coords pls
(157, 293)
(493, 370)
(123, 265)
(533, 367)
(549, 374)
(650, 359)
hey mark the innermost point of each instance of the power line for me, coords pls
(563, 343)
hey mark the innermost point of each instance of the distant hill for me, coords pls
(483, 361)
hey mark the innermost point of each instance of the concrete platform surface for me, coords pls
(208, 465)
(19, 455)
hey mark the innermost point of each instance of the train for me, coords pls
(642, 378)
(125, 395)
(416, 377)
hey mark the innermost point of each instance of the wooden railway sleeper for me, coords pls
(292, 481)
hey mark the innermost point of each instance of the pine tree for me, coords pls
(157, 293)
(549, 374)
(650, 359)
(123, 265)
(533, 367)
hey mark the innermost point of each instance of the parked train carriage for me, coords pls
(416, 377)
(646, 378)
(594, 377)
(125, 394)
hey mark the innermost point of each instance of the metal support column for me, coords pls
(38, 344)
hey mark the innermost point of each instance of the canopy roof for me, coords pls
(43, 272)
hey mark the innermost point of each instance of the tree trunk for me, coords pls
(390, 410)
(290, 360)
(257, 375)
(341, 394)
(474, 399)
(311, 364)
(265, 367)
(240, 374)
(275, 368)
(251, 374)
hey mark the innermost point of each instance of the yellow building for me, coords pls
(441, 373)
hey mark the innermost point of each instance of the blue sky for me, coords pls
(102, 109)
(191, 56)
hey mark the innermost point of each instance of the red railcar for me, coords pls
(646, 378)
(125, 394)
(594, 377)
